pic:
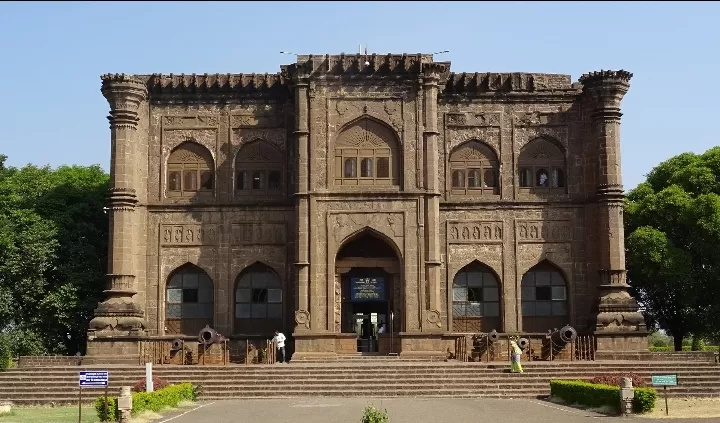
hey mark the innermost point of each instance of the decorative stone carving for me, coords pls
(456, 119)
(394, 113)
(187, 235)
(433, 317)
(460, 255)
(174, 137)
(302, 318)
(524, 135)
(457, 136)
(257, 121)
(543, 231)
(390, 224)
(258, 233)
(475, 232)
(190, 121)
(241, 136)
(338, 303)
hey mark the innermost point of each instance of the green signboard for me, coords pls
(664, 380)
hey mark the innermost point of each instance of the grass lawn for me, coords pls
(49, 415)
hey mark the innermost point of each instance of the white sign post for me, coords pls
(148, 378)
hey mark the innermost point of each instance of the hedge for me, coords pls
(170, 396)
(596, 395)
(685, 348)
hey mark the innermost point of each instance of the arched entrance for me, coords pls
(370, 274)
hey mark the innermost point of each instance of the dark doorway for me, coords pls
(366, 306)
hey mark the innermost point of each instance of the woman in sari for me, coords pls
(515, 354)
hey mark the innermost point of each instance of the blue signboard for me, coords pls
(97, 379)
(367, 289)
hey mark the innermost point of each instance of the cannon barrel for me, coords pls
(523, 343)
(565, 335)
(494, 336)
(208, 336)
(176, 345)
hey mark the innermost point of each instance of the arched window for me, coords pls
(475, 169)
(541, 167)
(259, 170)
(258, 301)
(476, 299)
(367, 153)
(190, 171)
(544, 299)
(189, 301)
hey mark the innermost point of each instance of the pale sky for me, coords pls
(53, 54)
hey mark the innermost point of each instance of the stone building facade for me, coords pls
(356, 185)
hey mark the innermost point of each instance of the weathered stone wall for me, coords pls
(303, 112)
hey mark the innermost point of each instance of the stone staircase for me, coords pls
(360, 377)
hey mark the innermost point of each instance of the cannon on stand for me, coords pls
(556, 342)
(213, 345)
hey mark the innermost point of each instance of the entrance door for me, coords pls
(366, 309)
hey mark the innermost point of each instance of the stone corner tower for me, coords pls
(619, 324)
(120, 315)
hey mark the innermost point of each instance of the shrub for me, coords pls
(158, 384)
(374, 415)
(596, 395)
(109, 414)
(169, 396)
(616, 380)
(685, 348)
(586, 393)
(5, 353)
(644, 400)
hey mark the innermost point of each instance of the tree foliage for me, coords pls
(672, 234)
(53, 249)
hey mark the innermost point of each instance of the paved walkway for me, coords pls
(400, 410)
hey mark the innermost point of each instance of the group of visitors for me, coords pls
(515, 366)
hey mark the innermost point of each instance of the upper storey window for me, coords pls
(367, 153)
(474, 169)
(190, 171)
(259, 169)
(541, 166)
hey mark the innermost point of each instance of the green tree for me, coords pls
(673, 230)
(53, 254)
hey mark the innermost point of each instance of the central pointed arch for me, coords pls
(368, 269)
(367, 153)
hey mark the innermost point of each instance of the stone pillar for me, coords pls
(119, 314)
(618, 319)
(432, 198)
(302, 132)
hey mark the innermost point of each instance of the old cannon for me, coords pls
(177, 344)
(493, 336)
(523, 343)
(564, 336)
(209, 336)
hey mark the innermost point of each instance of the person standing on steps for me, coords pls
(516, 352)
(280, 339)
